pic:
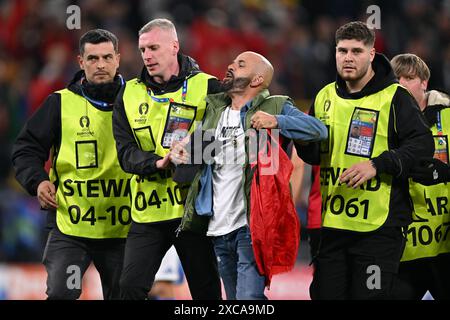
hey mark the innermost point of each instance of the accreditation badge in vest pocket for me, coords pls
(362, 131)
(178, 123)
(441, 148)
(358, 130)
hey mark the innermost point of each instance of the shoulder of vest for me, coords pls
(330, 86)
(64, 91)
(396, 85)
(201, 75)
(134, 84)
(68, 93)
(327, 91)
(392, 89)
(134, 81)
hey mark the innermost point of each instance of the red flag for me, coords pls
(274, 223)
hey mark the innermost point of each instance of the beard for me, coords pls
(359, 74)
(232, 85)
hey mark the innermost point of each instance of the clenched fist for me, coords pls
(263, 120)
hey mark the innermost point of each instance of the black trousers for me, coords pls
(416, 277)
(67, 258)
(352, 265)
(146, 245)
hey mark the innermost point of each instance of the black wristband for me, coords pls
(373, 164)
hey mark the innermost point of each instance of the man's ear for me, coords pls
(372, 54)
(424, 85)
(80, 62)
(257, 81)
(176, 47)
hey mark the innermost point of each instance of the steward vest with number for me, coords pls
(93, 191)
(157, 121)
(357, 131)
(429, 234)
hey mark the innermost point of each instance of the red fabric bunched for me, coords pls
(274, 224)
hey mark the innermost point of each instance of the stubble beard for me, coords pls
(235, 85)
(358, 75)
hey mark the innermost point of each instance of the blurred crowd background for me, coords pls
(38, 56)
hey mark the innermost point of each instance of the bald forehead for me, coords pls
(251, 57)
(254, 59)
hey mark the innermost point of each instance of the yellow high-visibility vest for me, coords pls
(358, 131)
(157, 121)
(93, 191)
(429, 234)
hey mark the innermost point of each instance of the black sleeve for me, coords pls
(214, 86)
(410, 137)
(131, 158)
(33, 144)
(309, 151)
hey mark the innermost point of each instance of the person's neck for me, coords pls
(356, 86)
(172, 70)
(423, 102)
(105, 91)
(238, 100)
(87, 82)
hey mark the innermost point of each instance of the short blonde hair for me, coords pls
(164, 24)
(409, 64)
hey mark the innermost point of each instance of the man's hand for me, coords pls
(430, 171)
(178, 153)
(46, 194)
(164, 162)
(263, 120)
(358, 173)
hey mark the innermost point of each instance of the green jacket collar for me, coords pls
(222, 99)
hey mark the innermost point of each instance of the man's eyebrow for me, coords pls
(149, 45)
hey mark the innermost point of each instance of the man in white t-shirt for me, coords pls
(245, 104)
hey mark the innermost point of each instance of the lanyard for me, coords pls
(439, 124)
(162, 100)
(99, 103)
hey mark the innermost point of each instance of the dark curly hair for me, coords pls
(356, 30)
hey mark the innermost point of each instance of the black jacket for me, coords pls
(131, 157)
(409, 138)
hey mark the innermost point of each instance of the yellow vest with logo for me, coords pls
(429, 234)
(157, 121)
(93, 192)
(357, 131)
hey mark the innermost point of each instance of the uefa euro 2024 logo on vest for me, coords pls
(85, 124)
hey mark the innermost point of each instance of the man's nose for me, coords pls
(146, 55)
(348, 56)
(101, 63)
